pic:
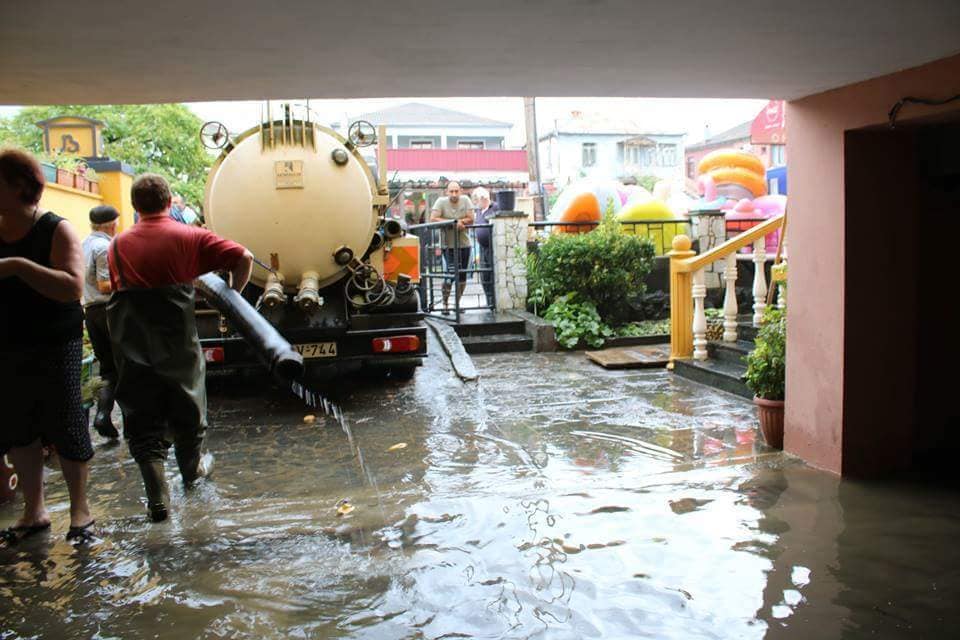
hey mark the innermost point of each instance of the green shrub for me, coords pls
(604, 267)
(574, 320)
(767, 363)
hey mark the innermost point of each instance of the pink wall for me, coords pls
(816, 236)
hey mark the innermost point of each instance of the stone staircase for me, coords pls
(724, 369)
(489, 332)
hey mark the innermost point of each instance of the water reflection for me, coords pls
(552, 500)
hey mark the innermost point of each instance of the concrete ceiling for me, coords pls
(118, 51)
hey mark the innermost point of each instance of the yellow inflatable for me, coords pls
(651, 216)
(723, 158)
(755, 183)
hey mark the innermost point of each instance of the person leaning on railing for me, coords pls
(485, 209)
(454, 206)
(41, 328)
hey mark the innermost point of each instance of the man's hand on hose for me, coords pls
(240, 274)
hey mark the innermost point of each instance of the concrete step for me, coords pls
(497, 343)
(720, 374)
(747, 332)
(729, 351)
(488, 323)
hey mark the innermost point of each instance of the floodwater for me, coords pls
(552, 499)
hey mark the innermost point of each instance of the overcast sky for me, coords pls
(661, 114)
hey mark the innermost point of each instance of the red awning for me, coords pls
(456, 160)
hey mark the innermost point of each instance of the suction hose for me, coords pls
(275, 352)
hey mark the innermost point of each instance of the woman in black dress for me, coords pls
(41, 281)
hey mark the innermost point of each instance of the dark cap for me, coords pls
(103, 214)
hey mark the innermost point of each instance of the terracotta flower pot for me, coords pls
(64, 177)
(770, 413)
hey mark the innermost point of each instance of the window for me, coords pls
(691, 168)
(470, 144)
(778, 155)
(589, 154)
(421, 144)
(668, 155)
(647, 156)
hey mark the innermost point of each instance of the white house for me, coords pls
(429, 144)
(594, 146)
(415, 125)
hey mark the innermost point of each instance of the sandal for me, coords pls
(83, 534)
(13, 535)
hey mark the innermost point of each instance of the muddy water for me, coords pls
(550, 500)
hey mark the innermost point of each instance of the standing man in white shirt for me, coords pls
(456, 241)
(96, 294)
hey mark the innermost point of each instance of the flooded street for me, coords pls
(552, 499)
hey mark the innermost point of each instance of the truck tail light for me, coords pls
(396, 344)
(213, 354)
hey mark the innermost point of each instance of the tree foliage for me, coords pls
(159, 138)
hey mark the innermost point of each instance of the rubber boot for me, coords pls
(193, 464)
(158, 494)
(103, 422)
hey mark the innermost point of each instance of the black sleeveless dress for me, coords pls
(40, 353)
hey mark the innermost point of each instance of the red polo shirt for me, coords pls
(159, 251)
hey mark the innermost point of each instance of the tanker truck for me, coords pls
(333, 275)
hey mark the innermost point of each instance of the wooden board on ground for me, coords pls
(635, 357)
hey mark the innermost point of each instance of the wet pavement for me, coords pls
(551, 499)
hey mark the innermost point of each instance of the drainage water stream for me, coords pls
(551, 499)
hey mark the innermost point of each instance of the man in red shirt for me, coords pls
(160, 367)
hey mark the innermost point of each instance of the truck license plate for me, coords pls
(317, 349)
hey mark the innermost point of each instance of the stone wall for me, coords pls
(709, 230)
(510, 259)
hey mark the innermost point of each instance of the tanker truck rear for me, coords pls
(334, 276)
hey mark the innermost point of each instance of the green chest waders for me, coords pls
(160, 380)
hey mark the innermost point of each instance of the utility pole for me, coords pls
(533, 158)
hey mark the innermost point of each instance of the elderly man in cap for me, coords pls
(96, 294)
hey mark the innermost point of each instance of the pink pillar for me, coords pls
(822, 405)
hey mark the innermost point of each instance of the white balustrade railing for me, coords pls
(699, 316)
(689, 328)
(730, 308)
(759, 280)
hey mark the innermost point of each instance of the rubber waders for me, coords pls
(103, 422)
(155, 485)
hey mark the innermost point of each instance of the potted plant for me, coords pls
(93, 181)
(766, 375)
(49, 171)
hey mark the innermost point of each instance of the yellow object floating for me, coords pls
(731, 158)
(344, 507)
(398, 446)
(309, 418)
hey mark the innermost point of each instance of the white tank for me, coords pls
(292, 204)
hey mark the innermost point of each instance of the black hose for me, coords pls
(275, 352)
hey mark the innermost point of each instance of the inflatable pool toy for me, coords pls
(745, 213)
(584, 207)
(652, 208)
(722, 158)
(734, 175)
